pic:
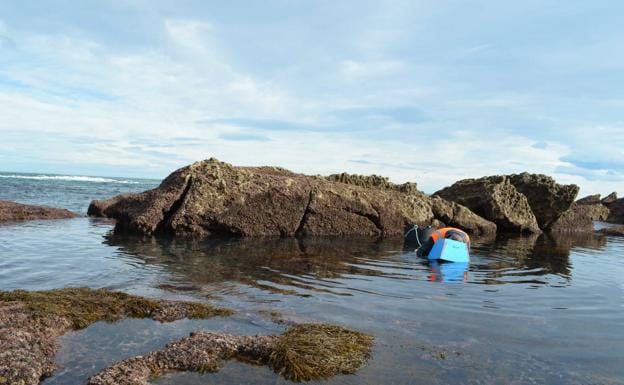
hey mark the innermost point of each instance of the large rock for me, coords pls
(589, 200)
(616, 211)
(496, 199)
(611, 198)
(215, 198)
(11, 211)
(547, 198)
(580, 218)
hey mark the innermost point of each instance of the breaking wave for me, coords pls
(74, 178)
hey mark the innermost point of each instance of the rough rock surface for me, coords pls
(29, 330)
(200, 352)
(496, 199)
(611, 198)
(616, 211)
(214, 198)
(11, 211)
(304, 352)
(547, 198)
(580, 218)
(589, 200)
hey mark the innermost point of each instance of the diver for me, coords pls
(426, 237)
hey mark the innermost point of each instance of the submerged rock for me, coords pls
(496, 199)
(31, 322)
(303, 353)
(214, 198)
(11, 211)
(547, 198)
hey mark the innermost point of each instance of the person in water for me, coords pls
(427, 238)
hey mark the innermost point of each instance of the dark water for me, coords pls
(525, 311)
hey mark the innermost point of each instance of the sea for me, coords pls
(526, 310)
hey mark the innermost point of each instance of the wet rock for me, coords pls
(611, 198)
(589, 200)
(303, 353)
(495, 199)
(580, 218)
(616, 211)
(31, 322)
(617, 231)
(212, 198)
(547, 198)
(11, 211)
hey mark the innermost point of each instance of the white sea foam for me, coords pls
(75, 178)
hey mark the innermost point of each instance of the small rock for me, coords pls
(11, 211)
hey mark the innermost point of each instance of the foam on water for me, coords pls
(74, 178)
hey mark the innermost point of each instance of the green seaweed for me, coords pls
(317, 351)
(83, 306)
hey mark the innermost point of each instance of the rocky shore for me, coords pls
(303, 353)
(31, 322)
(11, 211)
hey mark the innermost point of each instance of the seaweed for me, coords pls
(83, 306)
(317, 351)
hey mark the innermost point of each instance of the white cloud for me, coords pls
(417, 110)
(353, 70)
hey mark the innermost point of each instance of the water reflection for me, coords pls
(305, 266)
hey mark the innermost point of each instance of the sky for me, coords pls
(423, 91)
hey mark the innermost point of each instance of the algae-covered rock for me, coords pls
(304, 352)
(11, 211)
(211, 198)
(495, 199)
(547, 198)
(31, 322)
(310, 351)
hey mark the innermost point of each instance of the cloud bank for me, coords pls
(423, 91)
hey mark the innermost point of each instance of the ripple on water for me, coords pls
(535, 309)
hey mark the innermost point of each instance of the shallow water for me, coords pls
(526, 310)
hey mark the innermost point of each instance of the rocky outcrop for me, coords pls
(11, 211)
(303, 353)
(31, 323)
(547, 198)
(580, 218)
(611, 198)
(616, 211)
(496, 199)
(214, 198)
(373, 181)
(589, 200)
(453, 214)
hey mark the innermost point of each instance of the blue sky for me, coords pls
(427, 91)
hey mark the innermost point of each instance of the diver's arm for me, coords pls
(424, 250)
